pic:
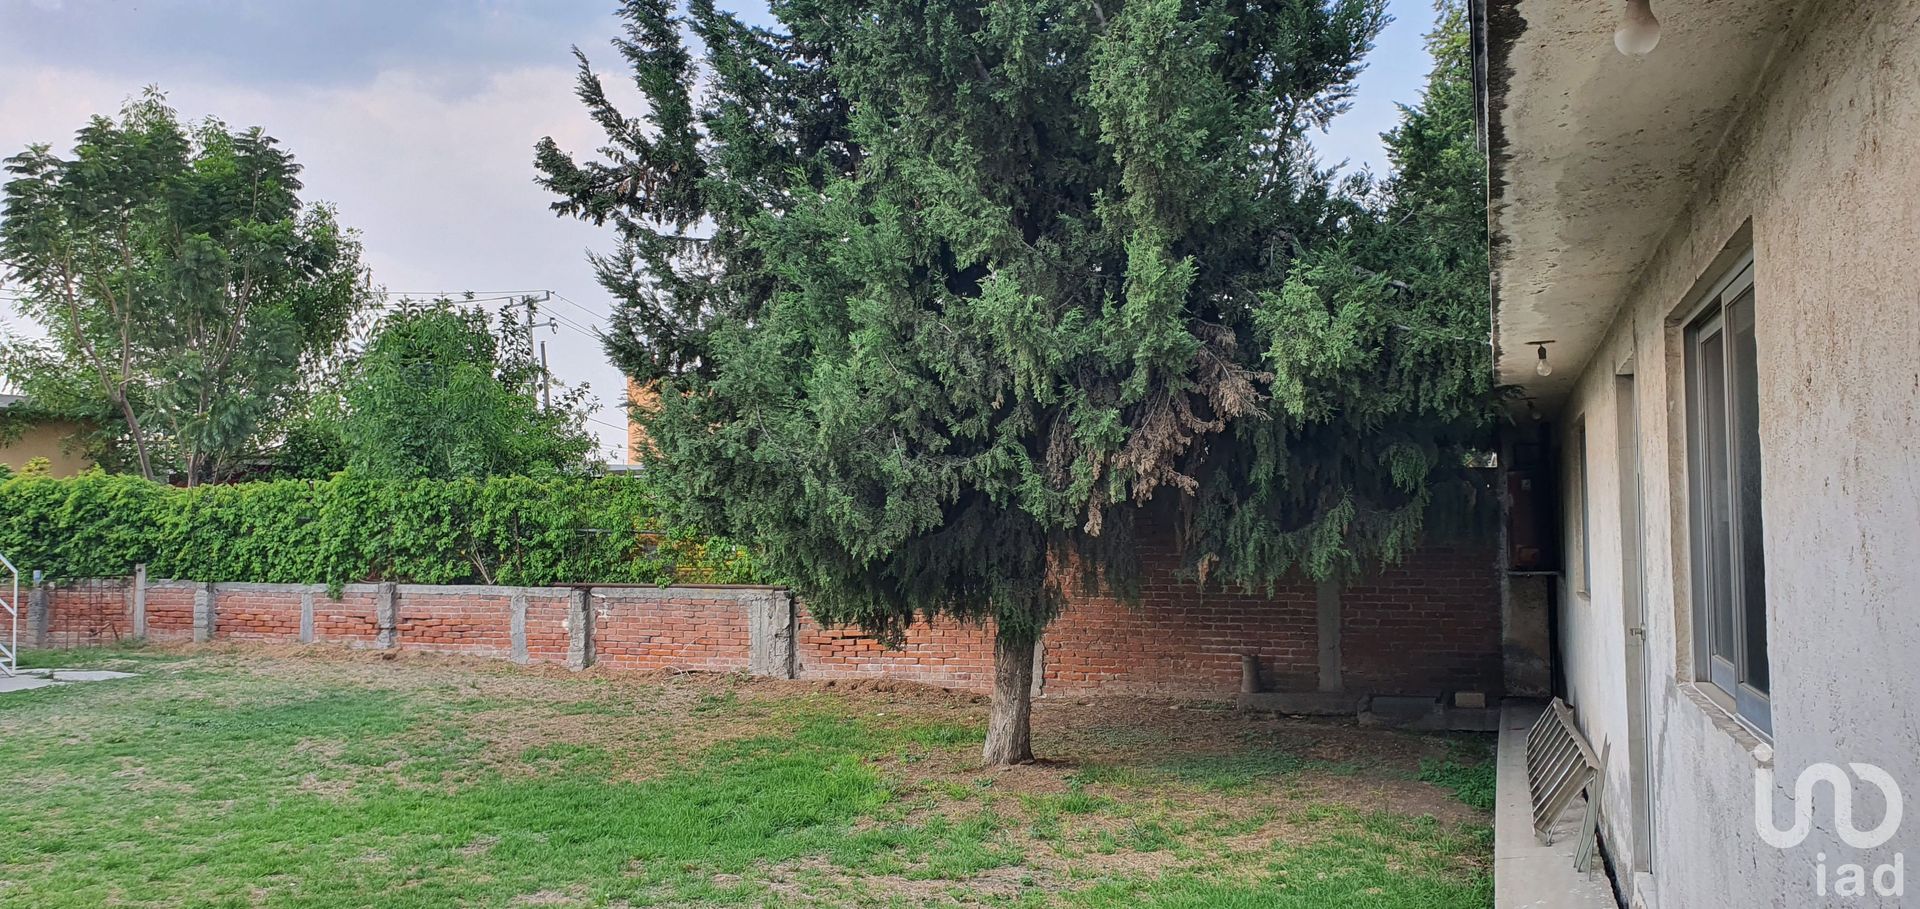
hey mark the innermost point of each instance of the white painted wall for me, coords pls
(1826, 166)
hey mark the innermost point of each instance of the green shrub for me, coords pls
(505, 530)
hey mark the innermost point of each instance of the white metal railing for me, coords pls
(10, 651)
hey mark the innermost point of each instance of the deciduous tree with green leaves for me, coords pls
(188, 293)
(949, 303)
(443, 391)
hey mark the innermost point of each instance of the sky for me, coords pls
(416, 120)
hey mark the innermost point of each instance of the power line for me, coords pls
(562, 298)
(590, 333)
(451, 294)
(593, 318)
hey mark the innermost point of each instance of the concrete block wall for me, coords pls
(1428, 627)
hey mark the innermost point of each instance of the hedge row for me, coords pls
(508, 530)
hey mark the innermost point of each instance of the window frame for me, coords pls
(1723, 667)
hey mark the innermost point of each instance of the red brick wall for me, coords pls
(1183, 639)
(458, 620)
(547, 628)
(953, 654)
(249, 613)
(170, 611)
(348, 620)
(642, 631)
(1427, 626)
(85, 613)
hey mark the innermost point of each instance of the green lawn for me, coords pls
(318, 778)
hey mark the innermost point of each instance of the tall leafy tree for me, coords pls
(189, 294)
(444, 391)
(949, 303)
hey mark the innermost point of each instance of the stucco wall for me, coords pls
(46, 440)
(1826, 167)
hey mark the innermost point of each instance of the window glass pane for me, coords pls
(1716, 511)
(1749, 550)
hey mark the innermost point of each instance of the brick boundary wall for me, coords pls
(1430, 626)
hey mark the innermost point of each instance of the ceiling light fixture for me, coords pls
(1639, 31)
(1542, 368)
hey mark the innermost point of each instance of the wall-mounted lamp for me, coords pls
(1639, 31)
(1542, 368)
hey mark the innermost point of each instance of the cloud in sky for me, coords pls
(417, 119)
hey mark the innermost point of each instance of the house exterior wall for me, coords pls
(1825, 168)
(50, 440)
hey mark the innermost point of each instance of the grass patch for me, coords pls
(128, 655)
(229, 780)
(1467, 771)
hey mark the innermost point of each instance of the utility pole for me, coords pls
(546, 377)
(546, 380)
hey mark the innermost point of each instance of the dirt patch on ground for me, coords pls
(810, 880)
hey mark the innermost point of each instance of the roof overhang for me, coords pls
(1593, 154)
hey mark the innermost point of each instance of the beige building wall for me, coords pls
(642, 397)
(1820, 178)
(50, 440)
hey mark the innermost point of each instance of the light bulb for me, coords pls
(1639, 31)
(1543, 367)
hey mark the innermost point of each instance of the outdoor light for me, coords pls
(1543, 367)
(1639, 31)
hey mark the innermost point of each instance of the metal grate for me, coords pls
(1560, 765)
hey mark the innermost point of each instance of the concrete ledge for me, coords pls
(1528, 874)
(1417, 713)
(1305, 703)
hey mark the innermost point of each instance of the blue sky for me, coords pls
(417, 119)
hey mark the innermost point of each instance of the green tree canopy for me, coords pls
(441, 391)
(941, 296)
(189, 295)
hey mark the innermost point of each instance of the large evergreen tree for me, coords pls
(939, 296)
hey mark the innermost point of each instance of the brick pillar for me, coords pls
(579, 628)
(770, 625)
(204, 620)
(140, 601)
(386, 615)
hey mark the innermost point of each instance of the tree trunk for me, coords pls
(139, 435)
(1009, 730)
